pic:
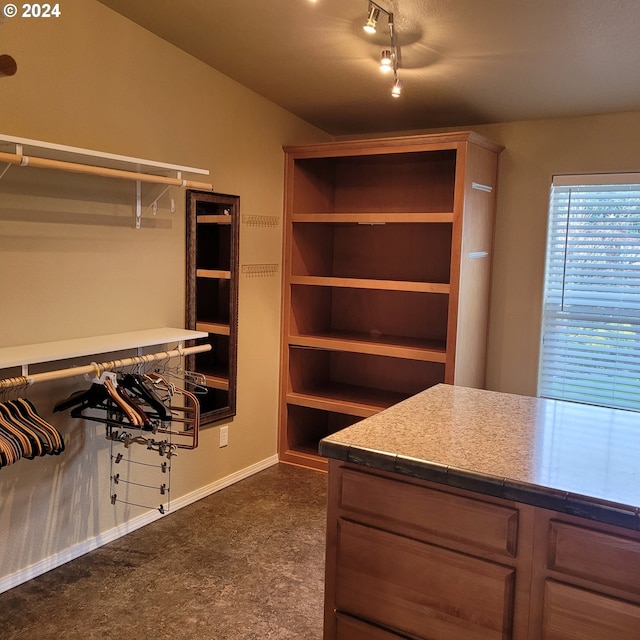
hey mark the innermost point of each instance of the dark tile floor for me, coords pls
(244, 563)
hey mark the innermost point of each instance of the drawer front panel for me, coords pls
(602, 558)
(420, 589)
(575, 614)
(348, 628)
(483, 525)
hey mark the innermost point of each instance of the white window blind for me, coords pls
(590, 349)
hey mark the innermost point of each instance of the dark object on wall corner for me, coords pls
(8, 66)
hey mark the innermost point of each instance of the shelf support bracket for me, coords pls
(19, 153)
(4, 171)
(138, 203)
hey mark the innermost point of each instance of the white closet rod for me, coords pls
(74, 167)
(98, 368)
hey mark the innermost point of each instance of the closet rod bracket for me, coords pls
(154, 205)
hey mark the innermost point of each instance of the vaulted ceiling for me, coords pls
(462, 62)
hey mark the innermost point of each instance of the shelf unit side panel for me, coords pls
(191, 265)
(456, 249)
(475, 268)
(285, 315)
(313, 185)
(312, 249)
(308, 369)
(311, 310)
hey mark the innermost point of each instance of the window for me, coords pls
(590, 350)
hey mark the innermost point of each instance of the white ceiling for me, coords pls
(462, 62)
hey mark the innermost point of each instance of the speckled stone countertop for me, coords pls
(568, 457)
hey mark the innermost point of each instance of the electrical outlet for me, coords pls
(224, 436)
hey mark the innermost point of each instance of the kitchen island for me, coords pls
(465, 514)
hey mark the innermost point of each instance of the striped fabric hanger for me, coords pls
(25, 434)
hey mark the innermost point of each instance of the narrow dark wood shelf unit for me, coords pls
(212, 298)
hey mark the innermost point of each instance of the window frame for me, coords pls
(571, 300)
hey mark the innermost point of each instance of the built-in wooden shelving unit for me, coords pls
(387, 253)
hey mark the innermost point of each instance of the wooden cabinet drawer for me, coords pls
(576, 614)
(485, 526)
(348, 628)
(600, 557)
(420, 589)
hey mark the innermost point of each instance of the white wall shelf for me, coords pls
(25, 355)
(65, 153)
(24, 152)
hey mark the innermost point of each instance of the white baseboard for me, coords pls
(101, 539)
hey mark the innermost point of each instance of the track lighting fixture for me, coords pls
(389, 58)
(372, 18)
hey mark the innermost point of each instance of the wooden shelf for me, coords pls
(213, 274)
(364, 283)
(217, 382)
(307, 457)
(219, 328)
(396, 346)
(214, 219)
(348, 399)
(373, 218)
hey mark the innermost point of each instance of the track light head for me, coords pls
(386, 61)
(397, 88)
(372, 19)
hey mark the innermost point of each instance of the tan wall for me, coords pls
(534, 152)
(71, 265)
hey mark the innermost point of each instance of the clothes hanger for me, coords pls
(135, 384)
(13, 427)
(127, 408)
(11, 448)
(54, 441)
(96, 397)
(41, 442)
(122, 400)
(190, 411)
(24, 434)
